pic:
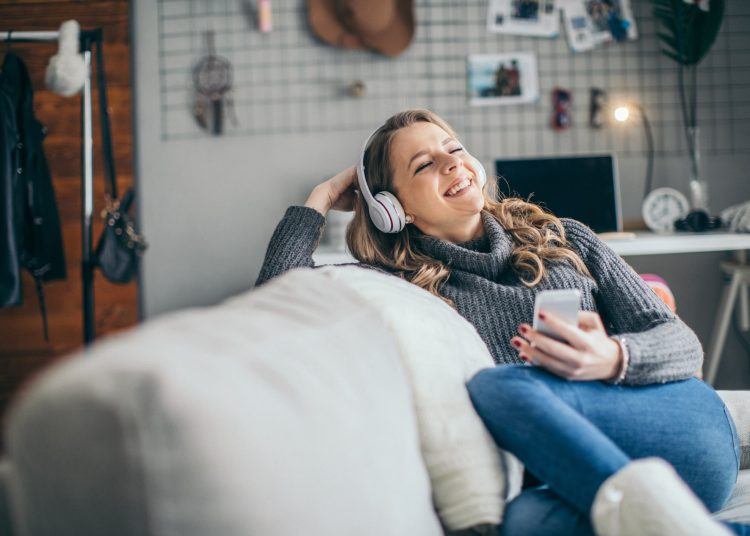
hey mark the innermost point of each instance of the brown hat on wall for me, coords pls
(384, 26)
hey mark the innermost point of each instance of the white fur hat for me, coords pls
(67, 71)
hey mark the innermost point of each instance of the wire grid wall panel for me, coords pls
(287, 81)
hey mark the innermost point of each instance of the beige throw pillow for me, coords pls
(471, 478)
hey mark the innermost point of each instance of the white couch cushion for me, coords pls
(737, 508)
(283, 411)
(738, 404)
(441, 351)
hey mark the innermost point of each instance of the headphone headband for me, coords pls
(361, 169)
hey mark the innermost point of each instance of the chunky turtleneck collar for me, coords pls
(487, 256)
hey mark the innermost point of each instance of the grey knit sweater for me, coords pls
(489, 294)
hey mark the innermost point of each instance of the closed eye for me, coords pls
(422, 166)
(427, 164)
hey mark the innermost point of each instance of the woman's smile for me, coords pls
(459, 187)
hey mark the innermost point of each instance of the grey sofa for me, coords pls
(286, 410)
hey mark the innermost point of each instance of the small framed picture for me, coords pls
(590, 23)
(502, 79)
(523, 17)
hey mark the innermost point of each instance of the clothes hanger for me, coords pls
(8, 46)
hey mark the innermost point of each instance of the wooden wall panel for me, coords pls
(23, 351)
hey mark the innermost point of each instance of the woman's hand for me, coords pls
(587, 354)
(335, 193)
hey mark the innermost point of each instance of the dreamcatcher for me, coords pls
(212, 81)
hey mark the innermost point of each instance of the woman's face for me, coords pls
(435, 180)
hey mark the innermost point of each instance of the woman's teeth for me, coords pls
(458, 187)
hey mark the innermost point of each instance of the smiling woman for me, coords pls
(431, 223)
(417, 156)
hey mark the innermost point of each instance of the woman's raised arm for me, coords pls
(298, 233)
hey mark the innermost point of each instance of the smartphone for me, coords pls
(563, 303)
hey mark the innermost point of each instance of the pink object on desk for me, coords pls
(660, 287)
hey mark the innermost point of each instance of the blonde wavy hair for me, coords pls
(538, 236)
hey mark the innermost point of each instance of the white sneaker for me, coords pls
(648, 498)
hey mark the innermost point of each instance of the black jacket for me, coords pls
(30, 234)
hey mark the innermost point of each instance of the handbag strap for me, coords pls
(109, 160)
(127, 200)
(42, 305)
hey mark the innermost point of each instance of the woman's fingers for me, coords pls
(575, 366)
(537, 356)
(341, 191)
(328, 194)
(557, 349)
(345, 179)
(567, 331)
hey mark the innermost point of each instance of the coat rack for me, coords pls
(87, 38)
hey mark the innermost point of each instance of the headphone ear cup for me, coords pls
(481, 173)
(390, 213)
(378, 217)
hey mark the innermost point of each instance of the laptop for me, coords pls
(584, 188)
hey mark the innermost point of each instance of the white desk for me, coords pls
(644, 243)
(647, 243)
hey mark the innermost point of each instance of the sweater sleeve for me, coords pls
(661, 346)
(293, 242)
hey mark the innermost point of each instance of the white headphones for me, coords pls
(385, 210)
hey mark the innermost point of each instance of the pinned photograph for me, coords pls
(590, 23)
(502, 79)
(523, 17)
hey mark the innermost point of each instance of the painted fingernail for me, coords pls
(516, 343)
(542, 316)
(524, 357)
(524, 329)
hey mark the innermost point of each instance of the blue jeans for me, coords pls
(574, 435)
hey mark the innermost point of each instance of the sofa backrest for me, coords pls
(282, 411)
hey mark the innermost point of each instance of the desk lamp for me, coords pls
(664, 209)
(623, 113)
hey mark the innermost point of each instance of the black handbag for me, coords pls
(120, 244)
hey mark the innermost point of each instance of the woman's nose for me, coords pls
(451, 162)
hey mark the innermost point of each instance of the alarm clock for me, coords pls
(662, 207)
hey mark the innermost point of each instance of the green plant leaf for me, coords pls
(707, 26)
(668, 40)
(689, 33)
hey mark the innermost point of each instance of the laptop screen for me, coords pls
(584, 188)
